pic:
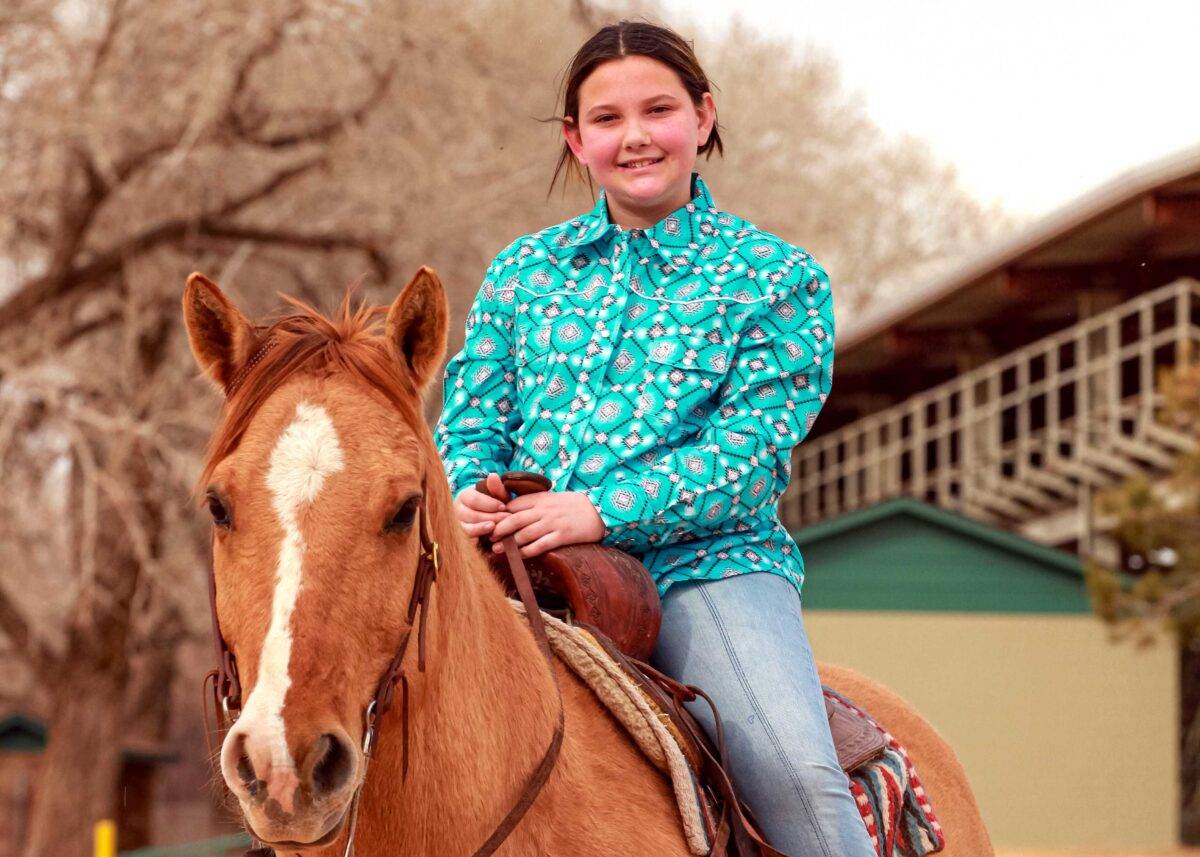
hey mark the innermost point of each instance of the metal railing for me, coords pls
(1032, 432)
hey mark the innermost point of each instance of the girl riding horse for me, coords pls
(658, 359)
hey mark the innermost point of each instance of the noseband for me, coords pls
(227, 688)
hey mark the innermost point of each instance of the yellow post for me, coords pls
(105, 838)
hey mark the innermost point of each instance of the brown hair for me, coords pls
(624, 39)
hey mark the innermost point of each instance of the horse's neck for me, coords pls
(483, 714)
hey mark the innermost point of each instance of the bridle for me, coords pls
(227, 689)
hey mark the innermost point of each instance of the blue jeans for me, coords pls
(741, 639)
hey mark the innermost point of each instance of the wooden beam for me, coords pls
(1084, 472)
(987, 499)
(1144, 451)
(1044, 284)
(1169, 437)
(1052, 482)
(1108, 461)
(1176, 211)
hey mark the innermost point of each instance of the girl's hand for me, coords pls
(548, 519)
(478, 512)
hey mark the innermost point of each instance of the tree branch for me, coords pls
(323, 132)
(116, 14)
(64, 279)
(316, 241)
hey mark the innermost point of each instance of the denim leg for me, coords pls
(742, 640)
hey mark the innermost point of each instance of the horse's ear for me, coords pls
(220, 336)
(417, 323)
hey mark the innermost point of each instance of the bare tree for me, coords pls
(135, 151)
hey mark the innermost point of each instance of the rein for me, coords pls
(227, 689)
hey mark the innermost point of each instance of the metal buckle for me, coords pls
(432, 553)
(369, 733)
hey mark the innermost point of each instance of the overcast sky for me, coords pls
(1035, 102)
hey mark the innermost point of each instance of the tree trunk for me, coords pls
(80, 770)
(79, 780)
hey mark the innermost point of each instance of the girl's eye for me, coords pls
(660, 107)
(605, 117)
(404, 516)
(219, 512)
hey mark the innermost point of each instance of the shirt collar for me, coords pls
(678, 232)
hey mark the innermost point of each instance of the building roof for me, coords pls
(906, 555)
(1137, 232)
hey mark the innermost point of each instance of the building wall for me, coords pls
(1070, 740)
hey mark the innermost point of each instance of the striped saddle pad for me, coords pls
(890, 797)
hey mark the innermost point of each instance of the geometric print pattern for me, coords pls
(666, 372)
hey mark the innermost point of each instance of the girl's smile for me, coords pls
(638, 132)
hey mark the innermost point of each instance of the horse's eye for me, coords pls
(220, 514)
(404, 516)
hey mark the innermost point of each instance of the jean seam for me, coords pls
(797, 782)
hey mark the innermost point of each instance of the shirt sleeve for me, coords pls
(479, 412)
(740, 461)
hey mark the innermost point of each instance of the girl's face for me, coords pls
(638, 132)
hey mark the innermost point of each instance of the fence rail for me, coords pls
(1030, 433)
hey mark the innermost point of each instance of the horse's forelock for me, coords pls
(307, 341)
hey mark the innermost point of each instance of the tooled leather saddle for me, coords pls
(613, 595)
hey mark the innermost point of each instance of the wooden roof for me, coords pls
(1139, 231)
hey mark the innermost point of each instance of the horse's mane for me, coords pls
(350, 341)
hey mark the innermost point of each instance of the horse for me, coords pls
(329, 501)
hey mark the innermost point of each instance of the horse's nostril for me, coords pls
(334, 765)
(245, 770)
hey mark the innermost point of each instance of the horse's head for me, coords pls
(314, 479)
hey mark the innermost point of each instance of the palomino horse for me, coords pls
(324, 481)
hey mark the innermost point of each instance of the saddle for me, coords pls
(613, 596)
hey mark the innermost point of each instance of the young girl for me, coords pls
(658, 359)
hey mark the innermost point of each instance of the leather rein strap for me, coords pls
(227, 690)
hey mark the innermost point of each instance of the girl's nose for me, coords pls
(636, 135)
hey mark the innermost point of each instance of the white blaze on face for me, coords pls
(305, 454)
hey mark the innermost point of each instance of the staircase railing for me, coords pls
(1032, 432)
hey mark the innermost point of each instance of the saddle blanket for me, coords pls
(891, 799)
(887, 790)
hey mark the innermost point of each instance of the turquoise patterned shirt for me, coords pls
(666, 373)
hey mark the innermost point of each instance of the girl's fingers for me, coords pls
(495, 486)
(515, 521)
(480, 502)
(478, 529)
(531, 533)
(470, 516)
(540, 546)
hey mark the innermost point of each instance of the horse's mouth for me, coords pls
(320, 842)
